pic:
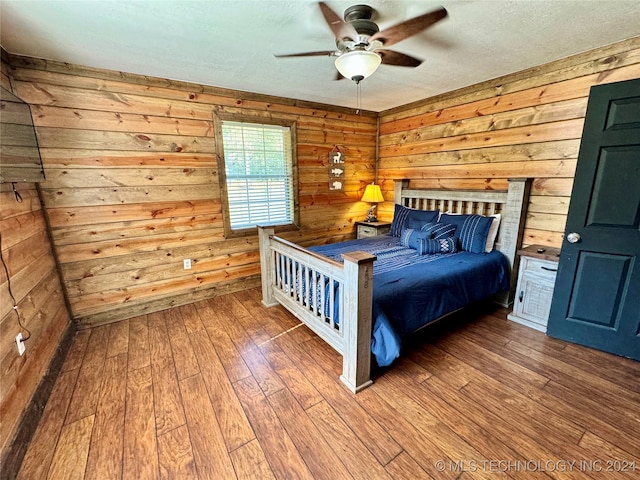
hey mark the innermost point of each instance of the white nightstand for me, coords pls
(536, 279)
(372, 229)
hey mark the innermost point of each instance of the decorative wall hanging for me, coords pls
(336, 169)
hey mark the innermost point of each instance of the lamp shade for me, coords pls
(358, 64)
(372, 194)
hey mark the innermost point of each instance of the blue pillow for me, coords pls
(399, 216)
(439, 230)
(471, 230)
(443, 245)
(412, 238)
(418, 217)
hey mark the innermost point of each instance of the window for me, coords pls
(258, 186)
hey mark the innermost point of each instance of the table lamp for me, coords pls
(373, 195)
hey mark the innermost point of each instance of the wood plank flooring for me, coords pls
(226, 388)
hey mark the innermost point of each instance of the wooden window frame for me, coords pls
(256, 118)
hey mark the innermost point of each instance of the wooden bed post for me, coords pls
(266, 264)
(399, 185)
(515, 214)
(356, 321)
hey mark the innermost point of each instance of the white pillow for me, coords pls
(493, 229)
(493, 232)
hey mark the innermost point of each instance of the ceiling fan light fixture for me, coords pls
(358, 64)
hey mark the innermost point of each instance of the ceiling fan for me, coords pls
(361, 46)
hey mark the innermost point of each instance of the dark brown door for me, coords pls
(596, 301)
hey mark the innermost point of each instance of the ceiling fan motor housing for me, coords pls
(365, 27)
(360, 17)
(358, 12)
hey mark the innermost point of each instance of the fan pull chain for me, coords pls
(358, 98)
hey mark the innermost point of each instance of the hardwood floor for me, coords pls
(226, 388)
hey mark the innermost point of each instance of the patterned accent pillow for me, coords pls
(442, 245)
(472, 230)
(412, 238)
(439, 230)
(402, 216)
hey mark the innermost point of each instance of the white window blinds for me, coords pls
(259, 174)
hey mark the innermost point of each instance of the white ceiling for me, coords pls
(230, 43)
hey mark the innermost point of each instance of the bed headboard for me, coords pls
(511, 204)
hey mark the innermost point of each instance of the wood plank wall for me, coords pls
(132, 184)
(527, 124)
(19, 155)
(36, 287)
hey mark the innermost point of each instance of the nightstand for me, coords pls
(536, 279)
(372, 229)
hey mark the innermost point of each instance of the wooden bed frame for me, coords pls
(295, 277)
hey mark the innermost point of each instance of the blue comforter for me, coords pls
(412, 290)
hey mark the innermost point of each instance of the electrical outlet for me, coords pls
(187, 263)
(20, 344)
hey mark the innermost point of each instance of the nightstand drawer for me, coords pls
(365, 230)
(543, 268)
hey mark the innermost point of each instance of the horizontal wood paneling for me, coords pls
(601, 60)
(39, 313)
(122, 82)
(128, 177)
(36, 286)
(527, 124)
(132, 184)
(60, 157)
(71, 216)
(130, 141)
(88, 196)
(48, 116)
(19, 158)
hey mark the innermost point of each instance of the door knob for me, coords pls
(573, 237)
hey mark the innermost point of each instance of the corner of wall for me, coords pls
(36, 308)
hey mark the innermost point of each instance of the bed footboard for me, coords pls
(332, 299)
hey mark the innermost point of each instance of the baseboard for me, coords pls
(129, 310)
(12, 457)
(527, 323)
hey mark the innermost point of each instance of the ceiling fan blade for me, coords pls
(405, 29)
(339, 28)
(339, 76)
(389, 57)
(322, 53)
